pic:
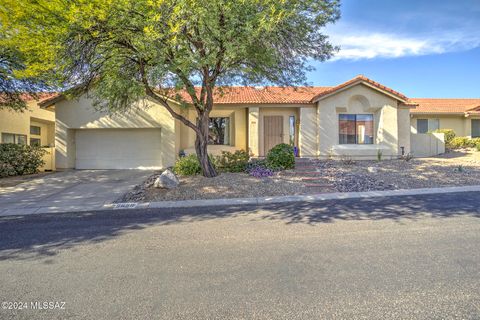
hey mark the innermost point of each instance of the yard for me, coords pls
(319, 176)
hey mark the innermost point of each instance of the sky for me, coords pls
(424, 49)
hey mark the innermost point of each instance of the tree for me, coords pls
(15, 90)
(126, 50)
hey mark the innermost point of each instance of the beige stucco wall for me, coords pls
(457, 122)
(80, 114)
(360, 99)
(308, 132)
(19, 122)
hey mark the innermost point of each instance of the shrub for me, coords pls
(261, 172)
(464, 142)
(18, 159)
(281, 157)
(459, 142)
(478, 146)
(255, 164)
(449, 135)
(232, 162)
(187, 166)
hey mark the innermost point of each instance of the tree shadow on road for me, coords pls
(44, 236)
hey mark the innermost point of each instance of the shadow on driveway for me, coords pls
(30, 237)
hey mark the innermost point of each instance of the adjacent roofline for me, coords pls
(366, 81)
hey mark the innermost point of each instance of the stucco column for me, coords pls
(307, 139)
(253, 119)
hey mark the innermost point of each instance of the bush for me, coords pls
(459, 142)
(187, 166)
(464, 142)
(281, 157)
(258, 169)
(232, 162)
(18, 159)
(261, 172)
(449, 135)
(478, 146)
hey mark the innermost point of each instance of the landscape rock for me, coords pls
(167, 180)
(372, 169)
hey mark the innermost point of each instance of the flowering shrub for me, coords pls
(261, 172)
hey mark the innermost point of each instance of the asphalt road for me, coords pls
(380, 258)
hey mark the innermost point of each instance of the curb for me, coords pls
(239, 201)
(301, 198)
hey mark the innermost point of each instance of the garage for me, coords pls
(118, 149)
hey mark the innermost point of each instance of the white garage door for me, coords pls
(118, 149)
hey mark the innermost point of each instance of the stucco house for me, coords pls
(460, 115)
(34, 126)
(358, 118)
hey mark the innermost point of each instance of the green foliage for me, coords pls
(463, 142)
(232, 162)
(122, 51)
(187, 166)
(281, 157)
(18, 159)
(449, 135)
(379, 155)
(477, 146)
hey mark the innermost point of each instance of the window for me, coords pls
(475, 128)
(35, 130)
(14, 138)
(427, 125)
(291, 123)
(356, 128)
(219, 131)
(35, 142)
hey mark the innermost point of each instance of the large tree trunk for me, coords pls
(201, 144)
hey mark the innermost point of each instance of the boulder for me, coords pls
(167, 180)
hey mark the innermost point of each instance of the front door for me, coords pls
(273, 132)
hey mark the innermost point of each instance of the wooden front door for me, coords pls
(273, 132)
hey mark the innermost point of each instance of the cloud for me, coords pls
(386, 45)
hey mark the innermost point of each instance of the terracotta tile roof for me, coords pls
(360, 78)
(41, 96)
(261, 95)
(427, 105)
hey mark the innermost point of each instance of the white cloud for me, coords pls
(385, 45)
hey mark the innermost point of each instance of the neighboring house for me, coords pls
(358, 118)
(460, 115)
(35, 126)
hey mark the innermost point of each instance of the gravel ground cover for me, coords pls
(451, 169)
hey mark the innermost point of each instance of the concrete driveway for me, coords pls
(72, 189)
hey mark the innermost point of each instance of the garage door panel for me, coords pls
(118, 149)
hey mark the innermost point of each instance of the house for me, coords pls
(460, 115)
(359, 118)
(34, 126)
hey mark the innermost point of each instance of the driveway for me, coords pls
(412, 257)
(72, 188)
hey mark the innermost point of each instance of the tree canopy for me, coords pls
(125, 50)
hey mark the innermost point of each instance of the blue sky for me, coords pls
(418, 47)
